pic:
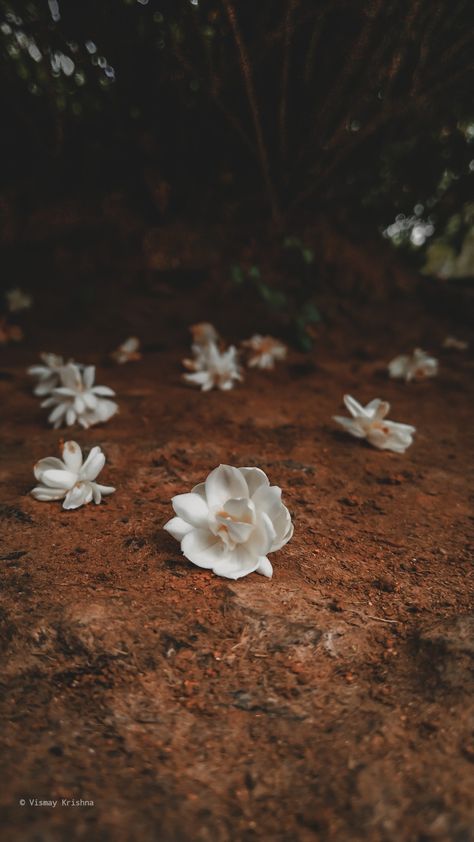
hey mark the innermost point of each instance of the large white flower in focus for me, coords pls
(78, 400)
(71, 479)
(369, 422)
(230, 522)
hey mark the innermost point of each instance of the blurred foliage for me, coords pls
(298, 277)
(360, 111)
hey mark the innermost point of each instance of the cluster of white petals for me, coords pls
(230, 522)
(264, 351)
(128, 351)
(212, 368)
(369, 422)
(454, 344)
(416, 366)
(78, 400)
(70, 479)
(47, 374)
(18, 300)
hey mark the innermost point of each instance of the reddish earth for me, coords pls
(333, 702)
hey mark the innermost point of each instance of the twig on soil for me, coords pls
(373, 617)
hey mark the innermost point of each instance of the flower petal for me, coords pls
(103, 391)
(192, 508)
(236, 564)
(354, 407)
(43, 493)
(105, 409)
(104, 489)
(79, 404)
(202, 548)
(72, 455)
(399, 366)
(88, 376)
(58, 478)
(237, 532)
(51, 462)
(254, 477)
(263, 537)
(223, 483)
(78, 496)
(56, 415)
(350, 425)
(71, 416)
(71, 376)
(90, 400)
(93, 464)
(265, 567)
(177, 528)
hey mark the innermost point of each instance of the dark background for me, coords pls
(311, 131)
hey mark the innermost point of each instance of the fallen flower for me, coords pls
(9, 333)
(69, 478)
(230, 522)
(368, 422)
(18, 300)
(128, 351)
(77, 399)
(455, 344)
(416, 366)
(264, 351)
(216, 370)
(48, 374)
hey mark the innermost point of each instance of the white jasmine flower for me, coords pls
(216, 369)
(264, 351)
(70, 479)
(455, 344)
(416, 366)
(368, 422)
(230, 522)
(128, 351)
(18, 300)
(78, 400)
(48, 374)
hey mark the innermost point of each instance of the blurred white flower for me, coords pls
(18, 300)
(216, 369)
(416, 366)
(128, 351)
(78, 400)
(369, 422)
(230, 522)
(48, 374)
(455, 344)
(264, 351)
(69, 478)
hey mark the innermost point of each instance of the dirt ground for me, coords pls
(333, 702)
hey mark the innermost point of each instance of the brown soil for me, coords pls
(333, 702)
